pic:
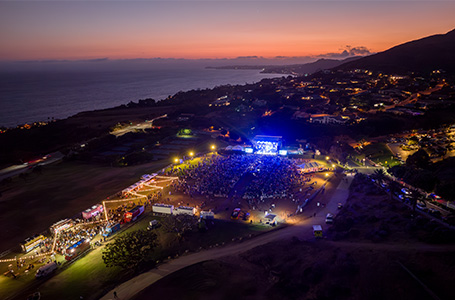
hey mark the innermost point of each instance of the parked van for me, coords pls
(153, 224)
(46, 270)
(317, 231)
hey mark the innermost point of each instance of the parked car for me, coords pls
(434, 197)
(235, 214)
(329, 218)
(434, 212)
(421, 206)
(406, 191)
(153, 224)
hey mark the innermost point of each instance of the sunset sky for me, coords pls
(37, 30)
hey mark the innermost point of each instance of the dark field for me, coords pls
(63, 190)
(313, 270)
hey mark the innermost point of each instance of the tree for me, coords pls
(413, 140)
(414, 199)
(179, 224)
(128, 251)
(420, 159)
(379, 175)
(394, 187)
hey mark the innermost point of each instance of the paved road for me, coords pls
(303, 230)
(15, 170)
(136, 127)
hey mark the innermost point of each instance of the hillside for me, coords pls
(423, 55)
(296, 69)
(300, 69)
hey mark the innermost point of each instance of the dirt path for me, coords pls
(303, 231)
(130, 288)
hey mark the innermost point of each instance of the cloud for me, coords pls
(249, 57)
(347, 51)
(361, 50)
(56, 61)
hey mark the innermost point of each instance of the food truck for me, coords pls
(61, 225)
(92, 211)
(75, 250)
(31, 243)
(111, 229)
(133, 214)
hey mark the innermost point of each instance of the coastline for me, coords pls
(112, 90)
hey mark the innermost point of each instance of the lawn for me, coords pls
(62, 190)
(90, 278)
(220, 232)
(10, 286)
(380, 154)
(87, 277)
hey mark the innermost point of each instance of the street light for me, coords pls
(176, 160)
(213, 147)
(327, 158)
(191, 153)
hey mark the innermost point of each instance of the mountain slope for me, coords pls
(296, 69)
(423, 55)
(300, 69)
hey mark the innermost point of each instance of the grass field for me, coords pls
(381, 154)
(86, 277)
(9, 286)
(90, 278)
(30, 206)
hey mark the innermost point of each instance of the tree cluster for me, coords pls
(130, 250)
(179, 224)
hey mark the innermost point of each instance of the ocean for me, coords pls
(31, 96)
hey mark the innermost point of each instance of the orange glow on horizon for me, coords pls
(214, 30)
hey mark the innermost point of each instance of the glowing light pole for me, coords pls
(105, 211)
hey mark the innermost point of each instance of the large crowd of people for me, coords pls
(69, 237)
(273, 178)
(214, 176)
(268, 177)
